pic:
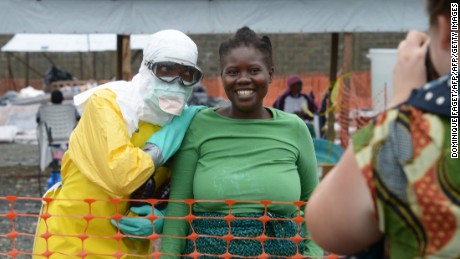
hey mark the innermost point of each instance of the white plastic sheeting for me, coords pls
(382, 63)
(7, 133)
(210, 16)
(17, 123)
(69, 42)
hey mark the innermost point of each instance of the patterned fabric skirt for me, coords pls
(245, 232)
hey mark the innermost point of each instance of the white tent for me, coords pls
(126, 17)
(69, 42)
(129, 17)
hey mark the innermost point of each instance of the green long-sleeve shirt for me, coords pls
(231, 159)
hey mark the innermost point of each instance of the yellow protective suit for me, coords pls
(102, 164)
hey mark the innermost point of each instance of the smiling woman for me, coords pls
(248, 152)
(245, 76)
(247, 70)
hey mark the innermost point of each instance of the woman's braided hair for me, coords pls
(247, 37)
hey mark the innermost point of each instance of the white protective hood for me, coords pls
(138, 98)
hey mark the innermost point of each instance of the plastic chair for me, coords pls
(57, 122)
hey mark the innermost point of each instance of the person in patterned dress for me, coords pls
(397, 181)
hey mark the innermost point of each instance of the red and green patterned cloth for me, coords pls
(404, 154)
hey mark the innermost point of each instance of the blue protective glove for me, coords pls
(164, 143)
(140, 226)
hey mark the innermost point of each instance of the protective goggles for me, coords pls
(168, 71)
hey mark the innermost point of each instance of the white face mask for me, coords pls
(172, 106)
(172, 97)
(147, 109)
(163, 101)
(151, 112)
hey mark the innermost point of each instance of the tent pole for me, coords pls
(10, 73)
(123, 69)
(330, 132)
(81, 64)
(27, 68)
(94, 66)
(334, 57)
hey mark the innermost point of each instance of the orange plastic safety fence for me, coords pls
(10, 242)
(360, 106)
(314, 82)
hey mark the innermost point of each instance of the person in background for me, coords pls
(126, 134)
(397, 180)
(55, 122)
(294, 101)
(248, 152)
(57, 97)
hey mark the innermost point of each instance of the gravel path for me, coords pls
(19, 177)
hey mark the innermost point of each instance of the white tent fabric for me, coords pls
(210, 16)
(69, 42)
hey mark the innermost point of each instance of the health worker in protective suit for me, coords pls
(128, 130)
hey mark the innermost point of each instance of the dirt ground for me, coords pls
(19, 175)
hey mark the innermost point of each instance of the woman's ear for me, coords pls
(443, 23)
(271, 72)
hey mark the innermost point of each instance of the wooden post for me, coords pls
(346, 88)
(94, 75)
(27, 68)
(81, 65)
(334, 57)
(10, 74)
(123, 69)
(330, 117)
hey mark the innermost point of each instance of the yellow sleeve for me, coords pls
(101, 148)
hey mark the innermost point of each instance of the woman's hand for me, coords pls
(409, 72)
